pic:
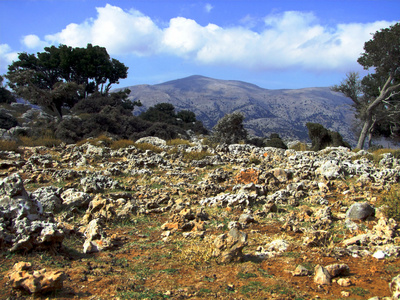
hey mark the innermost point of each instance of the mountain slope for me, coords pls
(266, 111)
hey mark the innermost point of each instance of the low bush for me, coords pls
(7, 121)
(390, 204)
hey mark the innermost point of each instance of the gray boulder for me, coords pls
(23, 225)
(49, 197)
(360, 211)
(74, 198)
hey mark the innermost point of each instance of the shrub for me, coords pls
(229, 129)
(322, 138)
(7, 121)
(391, 204)
(276, 142)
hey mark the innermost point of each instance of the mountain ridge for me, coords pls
(266, 111)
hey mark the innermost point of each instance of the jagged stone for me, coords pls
(35, 282)
(229, 246)
(322, 275)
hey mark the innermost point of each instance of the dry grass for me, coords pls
(121, 144)
(299, 147)
(8, 145)
(177, 142)
(147, 146)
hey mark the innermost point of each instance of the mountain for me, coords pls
(266, 111)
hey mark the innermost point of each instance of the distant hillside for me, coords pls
(266, 111)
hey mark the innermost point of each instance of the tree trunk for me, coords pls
(364, 132)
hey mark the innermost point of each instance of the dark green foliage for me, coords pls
(62, 76)
(165, 113)
(322, 138)
(256, 141)
(163, 130)
(7, 121)
(229, 129)
(5, 95)
(275, 141)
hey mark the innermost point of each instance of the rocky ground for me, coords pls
(153, 221)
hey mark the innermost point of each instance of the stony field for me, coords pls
(188, 221)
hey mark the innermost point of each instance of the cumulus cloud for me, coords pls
(7, 56)
(290, 39)
(32, 41)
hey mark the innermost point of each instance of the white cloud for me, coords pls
(7, 56)
(208, 7)
(32, 41)
(288, 40)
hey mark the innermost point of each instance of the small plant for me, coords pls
(251, 287)
(246, 275)
(254, 160)
(359, 291)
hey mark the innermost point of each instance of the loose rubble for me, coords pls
(238, 204)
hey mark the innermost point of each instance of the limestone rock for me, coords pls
(23, 224)
(394, 286)
(229, 246)
(301, 271)
(360, 211)
(74, 198)
(35, 282)
(322, 275)
(96, 238)
(337, 269)
(49, 197)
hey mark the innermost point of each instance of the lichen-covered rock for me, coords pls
(49, 197)
(98, 183)
(74, 198)
(229, 246)
(23, 223)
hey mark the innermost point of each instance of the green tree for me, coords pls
(62, 76)
(321, 137)
(376, 95)
(230, 129)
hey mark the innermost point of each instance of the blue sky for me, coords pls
(272, 43)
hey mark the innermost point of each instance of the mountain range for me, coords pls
(266, 111)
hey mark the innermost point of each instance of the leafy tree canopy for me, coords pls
(376, 96)
(229, 129)
(62, 76)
